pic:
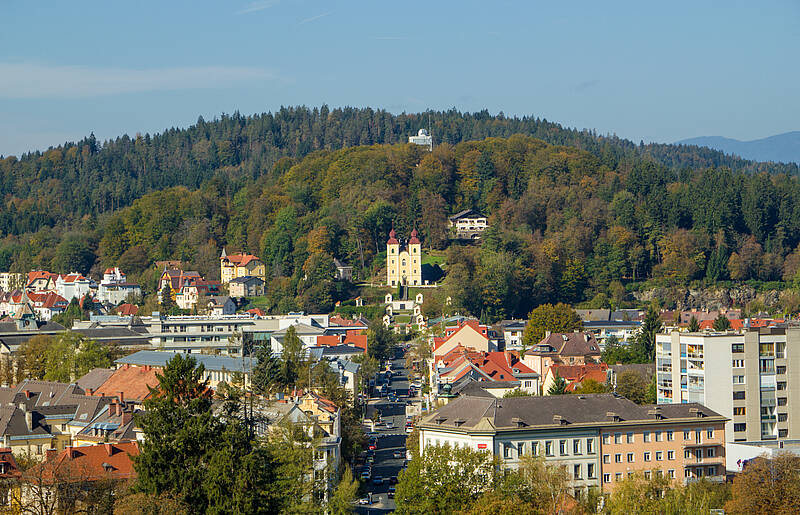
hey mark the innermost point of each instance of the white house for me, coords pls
(73, 286)
(114, 288)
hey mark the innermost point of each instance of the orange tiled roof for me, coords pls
(451, 331)
(132, 382)
(240, 259)
(127, 309)
(93, 463)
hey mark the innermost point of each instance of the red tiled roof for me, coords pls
(451, 331)
(131, 381)
(332, 340)
(240, 259)
(92, 463)
(343, 322)
(127, 309)
(736, 324)
(257, 312)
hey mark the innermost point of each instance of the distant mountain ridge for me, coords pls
(781, 148)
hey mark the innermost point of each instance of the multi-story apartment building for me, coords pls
(600, 439)
(744, 376)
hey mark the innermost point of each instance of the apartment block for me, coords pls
(600, 439)
(744, 376)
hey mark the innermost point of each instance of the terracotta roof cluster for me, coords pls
(337, 320)
(575, 375)
(352, 338)
(48, 300)
(484, 366)
(738, 324)
(127, 309)
(91, 463)
(177, 278)
(258, 312)
(323, 403)
(114, 423)
(8, 465)
(567, 344)
(240, 259)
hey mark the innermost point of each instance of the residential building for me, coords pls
(219, 306)
(10, 281)
(344, 272)
(192, 290)
(174, 279)
(571, 431)
(47, 305)
(114, 424)
(404, 262)
(41, 281)
(511, 332)
(467, 333)
(503, 367)
(749, 377)
(217, 369)
(469, 224)
(574, 375)
(240, 265)
(575, 348)
(73, 286)
(115, 288)
(247, 286)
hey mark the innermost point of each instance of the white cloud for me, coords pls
(314, 18)
(29, 80)
(257, 6)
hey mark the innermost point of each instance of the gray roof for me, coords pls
(218, 300)
(334, 350)
(467, 213)
(646, 370)
(348, 365)
(247, 279)
(95, 378)
(301, 330)
(210, 362)
(468, 412)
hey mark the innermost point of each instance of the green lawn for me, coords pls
(434, 258)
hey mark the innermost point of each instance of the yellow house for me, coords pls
(403, 263)
(240, 265)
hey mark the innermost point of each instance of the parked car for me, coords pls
(365, 475)
(389, 425)
(377, 480)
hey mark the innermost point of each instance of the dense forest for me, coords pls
(573, 214)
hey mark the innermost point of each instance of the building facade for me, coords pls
(404, 262)
(240, 265)
(746, 376)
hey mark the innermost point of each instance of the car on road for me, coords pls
(389, 425)
(365, 475)
(398, 455)
(364, 500)
(377, 480)
(409, 429)
(391, 492)
(373, 446)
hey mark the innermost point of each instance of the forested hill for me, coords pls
(565, 225)
(66, 183)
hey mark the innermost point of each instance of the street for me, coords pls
(389, 441)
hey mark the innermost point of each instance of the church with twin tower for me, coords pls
(404, 262)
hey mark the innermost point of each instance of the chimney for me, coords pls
(89, 391)
(29, 420)
(27, 394)
(71, 452)
(121, 396)
(50, 454)
(109, 448)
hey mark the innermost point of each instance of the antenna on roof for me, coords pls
(430, 132)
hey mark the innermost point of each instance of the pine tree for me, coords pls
(694, 325)
(559, 386)
(721, 323)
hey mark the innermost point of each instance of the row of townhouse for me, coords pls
(600, 439)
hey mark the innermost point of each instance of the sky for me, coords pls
(652, 71)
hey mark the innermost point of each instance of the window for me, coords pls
(590, 446)
(710, 452)
(659, 456)
(711, 471)
(783, 433)
(548, 447)
(617, 437)
(687, 473)
(576, 471)
(781, 401)
(710, 432)
(590, 471)
(562, 447)
(670, 436)
(738, 379)
(647, 474)
(521, 449)
(739, 427)
(618, 458)
(738, 396)
(606, 478)
(670, 455)
(738, 410)
(685, 434)
(618, 476)
(38, 449)
(737, 348)
(647, 456)
(630, 457)
(646, 436)
(658, 436)
(534, 448)
(507, 451)
(576, 446)
(687, 454)
(606, 458)
(629, 437)
(606, 438)
(782, 417)
(738, 363)
(780, 369)
(698, 453)
(781, 385)
(671, 473)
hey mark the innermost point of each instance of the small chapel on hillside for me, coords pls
(404, 262)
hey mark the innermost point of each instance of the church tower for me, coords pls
(392, 259)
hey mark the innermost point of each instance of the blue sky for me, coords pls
(657, 71)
